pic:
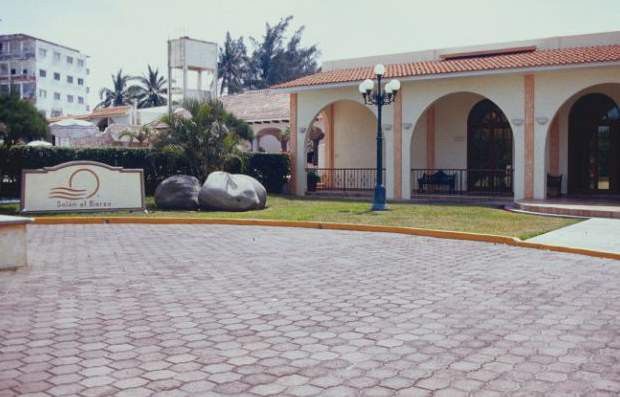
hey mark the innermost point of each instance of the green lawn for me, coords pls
(445, 217)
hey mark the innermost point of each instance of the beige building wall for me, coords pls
(505, 90)
(454, 96)
(354, 136)
(556, 92)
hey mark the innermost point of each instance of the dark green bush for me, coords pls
(272, 170)
(157, 165)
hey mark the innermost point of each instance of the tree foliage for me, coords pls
(206, 138)
(276, 58)
(150, 91)
(20, 121)
(232, 65)
(119, 94)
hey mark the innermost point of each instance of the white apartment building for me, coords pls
(50, 75)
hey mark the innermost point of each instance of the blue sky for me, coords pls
(130, 34)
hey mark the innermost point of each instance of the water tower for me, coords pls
(191, 63)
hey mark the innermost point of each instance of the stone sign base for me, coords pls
(13, 242)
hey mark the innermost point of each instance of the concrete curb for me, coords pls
(445, 234)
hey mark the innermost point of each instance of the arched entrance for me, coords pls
(489, 149)
(594, 146)
(462, 145)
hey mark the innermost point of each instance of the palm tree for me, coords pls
(151, 91)
(232, 65)
(119, 95)
(142, 136)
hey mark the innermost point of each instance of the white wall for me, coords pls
(354, 136)
(51, 66)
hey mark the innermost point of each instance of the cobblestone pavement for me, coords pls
(136, 310)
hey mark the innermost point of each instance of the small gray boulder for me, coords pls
(179, 192)
(232, 192)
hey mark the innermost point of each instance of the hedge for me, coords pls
(270, 169)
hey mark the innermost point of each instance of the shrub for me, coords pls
(272, 170)
(157, 165)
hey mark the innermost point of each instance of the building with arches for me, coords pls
(521, 120)
(267, 113)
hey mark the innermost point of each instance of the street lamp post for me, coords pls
(379, 96)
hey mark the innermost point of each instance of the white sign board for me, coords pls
(82, 186)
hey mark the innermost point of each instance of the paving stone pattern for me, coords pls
(140, 310)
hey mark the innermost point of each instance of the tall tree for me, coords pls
(232, 66)
(119, 94)
(151, 91)
(205, 134)
(20, 121)
(274, 60)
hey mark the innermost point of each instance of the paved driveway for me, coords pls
(208, 310)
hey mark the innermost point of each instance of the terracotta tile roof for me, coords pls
(259, 105)
(95, 114)
(531, 59)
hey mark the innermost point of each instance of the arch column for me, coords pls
(529, 136)
(330, 149)
(398, 146)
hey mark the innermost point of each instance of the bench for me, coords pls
(13, 242)
(439, 178)
(554, 185)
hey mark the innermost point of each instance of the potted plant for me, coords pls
(312, 180)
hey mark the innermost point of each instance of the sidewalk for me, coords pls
(596, 234)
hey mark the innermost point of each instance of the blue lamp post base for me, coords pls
(378, 202)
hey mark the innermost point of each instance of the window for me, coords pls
(81, 100)
(42, 73)
(56, 56)
(70, 60)
(4, 69)
(56, 113)
(57, 96)
(70, 98)
(70, 79)
(13, 71)
(25, 72)
(42, 52)
(57, 76)
(81, 63)
(28, 91)
(1, 47)
(88, 90)
(80, 81)
(42, 94)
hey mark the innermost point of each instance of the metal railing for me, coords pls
(341, 179)
(462, 181)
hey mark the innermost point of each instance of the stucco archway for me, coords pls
(559, 154)
(442, 139)
(274, 137)
(344, 151)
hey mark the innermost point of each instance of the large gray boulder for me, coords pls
(232, 192)
(179, 192)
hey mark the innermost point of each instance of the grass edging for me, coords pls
(445, 234)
